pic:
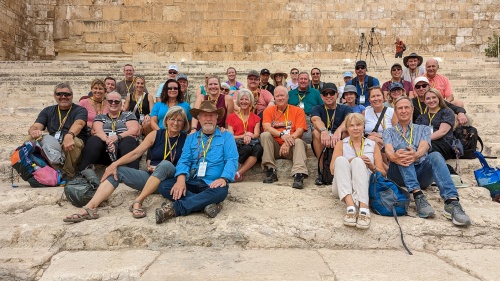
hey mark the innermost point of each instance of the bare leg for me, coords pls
(349, 201)
(102, 193)
(150, 187)
(317, 146)
(247, 165)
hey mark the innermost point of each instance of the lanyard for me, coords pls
(131, 84)
(205, 150)
(113, 122)
(329, 120)
(61, 122)
(170, 148)
(245, 124)
(286, 116)
(362, 86)
(315, 86)
(415, 74)
(138, 104)
(409, 142)
(420, 107)
(361, 149)
(303, 96)
(94, 103)
(430, 118)
(264, 87)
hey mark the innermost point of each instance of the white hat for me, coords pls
(173, 67)
(420, 79)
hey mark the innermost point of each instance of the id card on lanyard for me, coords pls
(58, 135)
(202, 168)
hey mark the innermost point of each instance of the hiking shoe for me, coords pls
(271, 176)
(456, 214)
(164, 213)
(212, 210)
(319, 181)
(298, 181)
(350, 218)
(424, 209)
(363, 221)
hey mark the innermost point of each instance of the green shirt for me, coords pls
(310, 98)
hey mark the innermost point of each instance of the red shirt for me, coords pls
(236, 123)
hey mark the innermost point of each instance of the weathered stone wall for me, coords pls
(242, 30)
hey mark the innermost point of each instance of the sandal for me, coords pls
(141, 213)
(91, 215)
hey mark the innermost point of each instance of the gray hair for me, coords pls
(174, 111)
(62, 86)
(242, 93)
(403, 98)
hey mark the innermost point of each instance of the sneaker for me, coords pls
(456, 214)
(164, 213)
(350, 218)
(212, 210)
(363, 221)
(271, 176)
(298, 181)
(319, 181)
(424, 209)
(238, 177)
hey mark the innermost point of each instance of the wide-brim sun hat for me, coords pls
(207, 106)
(413, 55)
(279, 72)
(350, 89)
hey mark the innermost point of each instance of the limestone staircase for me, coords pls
(26, 88)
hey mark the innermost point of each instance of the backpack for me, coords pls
(81, 189)
(32, 165)
(404, 47)
(388, 199)
(324, 172)
(469, 138)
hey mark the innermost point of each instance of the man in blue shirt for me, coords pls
(406, 147)
(209, 161)
(363, 82)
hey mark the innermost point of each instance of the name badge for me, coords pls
(141, 118)
(112, 134)
(286, 132)
(202, 169)
(431, 129)
(301, 105)
(362, 99)
(58, 136)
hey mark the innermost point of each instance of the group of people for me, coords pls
(196, 144)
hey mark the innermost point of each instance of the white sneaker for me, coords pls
(350, 218)
(363, 220)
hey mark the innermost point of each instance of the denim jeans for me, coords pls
(198, 195)
(433, 168)
(136, 179)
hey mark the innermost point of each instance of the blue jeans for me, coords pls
(198, 195)
(433, 168)
(136, 179)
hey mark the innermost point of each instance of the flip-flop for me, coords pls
(91, 215)
(133, 210)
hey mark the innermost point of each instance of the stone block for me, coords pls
(78, 12)
(111, 13)
(131, 13)
(172, 13)
(61, 30)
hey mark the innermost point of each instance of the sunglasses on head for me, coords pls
(331, 93)
(172, 88)
(360, 67)
(65, 94)
(421, 86)
(114, 101)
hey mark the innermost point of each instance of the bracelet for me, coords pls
(73, 134)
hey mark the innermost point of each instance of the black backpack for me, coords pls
(469, 138)
(324, 172)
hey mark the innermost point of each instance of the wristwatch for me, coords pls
(73, 134)
(226, 179)
(281, 134)
(324, 129)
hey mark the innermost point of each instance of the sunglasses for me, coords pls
(225, 90)
(421, 86)
(295, 72)
(65, 94)
(172, 88)
(316, 73)
(360, 67)
(325, 94)
(114, 101)
(396, 69)
(278, 75)
(172, 72)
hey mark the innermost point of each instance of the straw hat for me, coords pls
(279, 72)
(207, 106)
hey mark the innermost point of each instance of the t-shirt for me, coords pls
(236, 87)
(371, 119)
(363, 91)
(160, 109)
(293, 116)
(406, 85)
(91, 107)
(358, 108)
(310, 98)
(119, 123)
(159, 145)
(444, 115)
(338, 115)
(269, 87)
(49, 118)
(292, 85)
(125, 88)
(265, 97)
(235, 121)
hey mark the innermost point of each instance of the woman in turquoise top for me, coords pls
(171, 95)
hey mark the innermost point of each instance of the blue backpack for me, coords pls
(388, 199)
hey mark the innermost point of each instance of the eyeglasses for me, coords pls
(396, 69)
(65, 94)
(325, 94)
(421, 86)
(360, 67)
(175, 120)
(294, 72)
(172, 72)
(114, 101)
(225, 90)
(316, 73)
(172, 88)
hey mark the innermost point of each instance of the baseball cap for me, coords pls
(173, 67)
(395, 85)
(182, 76)
(265, 71)
(396, 64)
(360, 62)
(253, 73)
(329, 86)
(347, 74)
(420, 79)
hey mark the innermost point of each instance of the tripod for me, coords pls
(362, 41)
(373, 37)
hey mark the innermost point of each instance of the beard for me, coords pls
(208, 128)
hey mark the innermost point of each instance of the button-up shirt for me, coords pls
(394, 137)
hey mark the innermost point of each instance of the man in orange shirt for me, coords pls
(440, 82)
(399, 48)
(284, 125)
